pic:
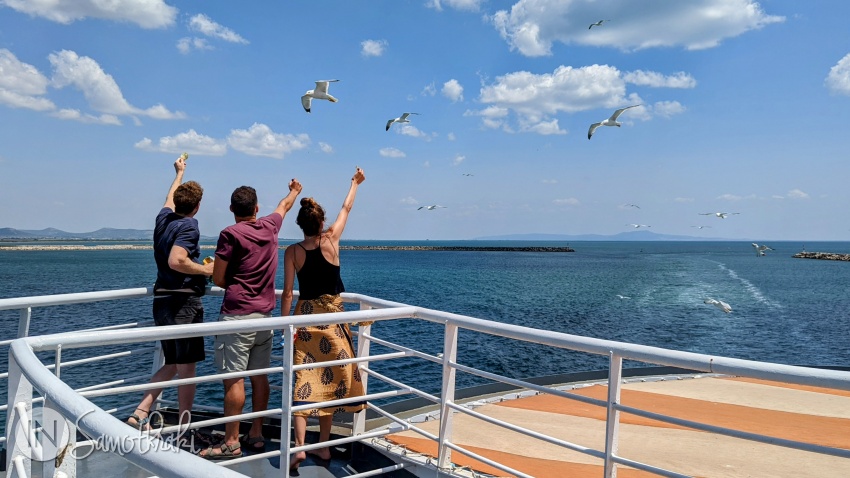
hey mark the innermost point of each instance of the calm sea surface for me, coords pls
(785, 310)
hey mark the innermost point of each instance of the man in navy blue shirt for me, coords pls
(180, 283)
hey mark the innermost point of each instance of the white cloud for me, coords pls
(146, 14)
(190, 142)
(549, 181)
(533, 26)
(205, 25)
(458, 160)
(260, 140)
(452, 90)
(734, 197)
(545, 128)
(325, 147)
(681, 199)
(391, 153)
(186, 44)
(22, 85)
(76, 115)
(373, 47)
(567, 202)
(668, 108)
(429, 90)
(797, 194)
(451, 137)
(99, 88)
(426, 164)
(657, 80)
(409, 200)
(468, 5)
(412, 131)
(838, 80)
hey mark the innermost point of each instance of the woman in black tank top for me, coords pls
(315, 261)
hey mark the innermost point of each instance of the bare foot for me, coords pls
(323, 453)
(296, 460)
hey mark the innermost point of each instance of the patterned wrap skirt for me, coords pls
(323, 343)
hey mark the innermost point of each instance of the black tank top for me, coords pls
(318, 276)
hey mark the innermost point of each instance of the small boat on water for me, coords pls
(672, 413)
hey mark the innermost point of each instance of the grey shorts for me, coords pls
(243, 351)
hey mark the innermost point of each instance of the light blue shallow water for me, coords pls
(785, 310)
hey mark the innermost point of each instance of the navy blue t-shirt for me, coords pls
(172, 230)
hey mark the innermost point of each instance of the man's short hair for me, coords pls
(187, 196)
(243, 201)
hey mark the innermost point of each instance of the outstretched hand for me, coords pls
(180, 164)
(359, 176)
(294, 185)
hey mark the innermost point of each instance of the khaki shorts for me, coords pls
(243, 351)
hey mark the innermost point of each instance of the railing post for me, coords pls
(358, 424)
(286, 396)
(448, 395)
(615, 375)
(157, 361)
(18, 442)
(24, 322)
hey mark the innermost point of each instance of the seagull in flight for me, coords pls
(612, 121)
(319, 93)
(468, 174)
(631, 205)
(721, 215)
(761, 248)
(430, 208)
(638, 225)
(400, 119)
(719, 304)
(623, 297)
(597, 24)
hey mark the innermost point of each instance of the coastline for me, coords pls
(127, 247)
(828, 256)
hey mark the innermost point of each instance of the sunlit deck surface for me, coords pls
(787, 411)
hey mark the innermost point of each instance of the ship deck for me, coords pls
(816, 415)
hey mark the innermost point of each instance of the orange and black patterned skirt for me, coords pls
(324, 343)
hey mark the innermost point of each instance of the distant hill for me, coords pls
(102, 234)
(623, 236)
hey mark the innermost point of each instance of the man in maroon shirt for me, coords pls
(245, 267)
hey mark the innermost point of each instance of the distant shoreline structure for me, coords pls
(141, 247)
(828, 256)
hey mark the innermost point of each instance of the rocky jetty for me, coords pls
(828, 256)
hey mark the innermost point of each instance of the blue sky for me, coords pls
(742, 110)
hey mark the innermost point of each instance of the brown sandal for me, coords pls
(221, 451)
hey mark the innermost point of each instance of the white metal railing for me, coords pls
(28, 375)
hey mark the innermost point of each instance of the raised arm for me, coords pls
(286, 203)
(179, 168)
(288, 280)
(336, 229)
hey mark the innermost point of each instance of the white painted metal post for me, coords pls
(65, 459)
(358, 425)
(157, 361)
(448, 395)
(286, 396)
(24, 322)
(615, 375)
(17, 442)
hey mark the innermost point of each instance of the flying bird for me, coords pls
(638, 225)
(468, 174)
(623, 297)
(719, 304)
(597, 24)
(631, 205)
(319, 93)
(612, 121)
(721, 215)
(761, 248)
(430, 208)
(400, 119)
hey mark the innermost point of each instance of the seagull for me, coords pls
(631, 205)
(430, 208)
(468, 174)
(761, 248)
(638, 225)
(612, 121)
(721, 215)
(400, 119)
(319, 93)
(719, 304)
(597, 24)
(701, 227)
(623, 297)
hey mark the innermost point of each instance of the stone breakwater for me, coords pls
(829, 256)
(129, 247)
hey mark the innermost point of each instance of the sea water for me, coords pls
(784, 310)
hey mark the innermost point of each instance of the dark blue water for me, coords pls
(785, 310)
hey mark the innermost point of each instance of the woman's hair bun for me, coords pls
(308, 202)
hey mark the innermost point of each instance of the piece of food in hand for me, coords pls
(208, 259)
(184, 156)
